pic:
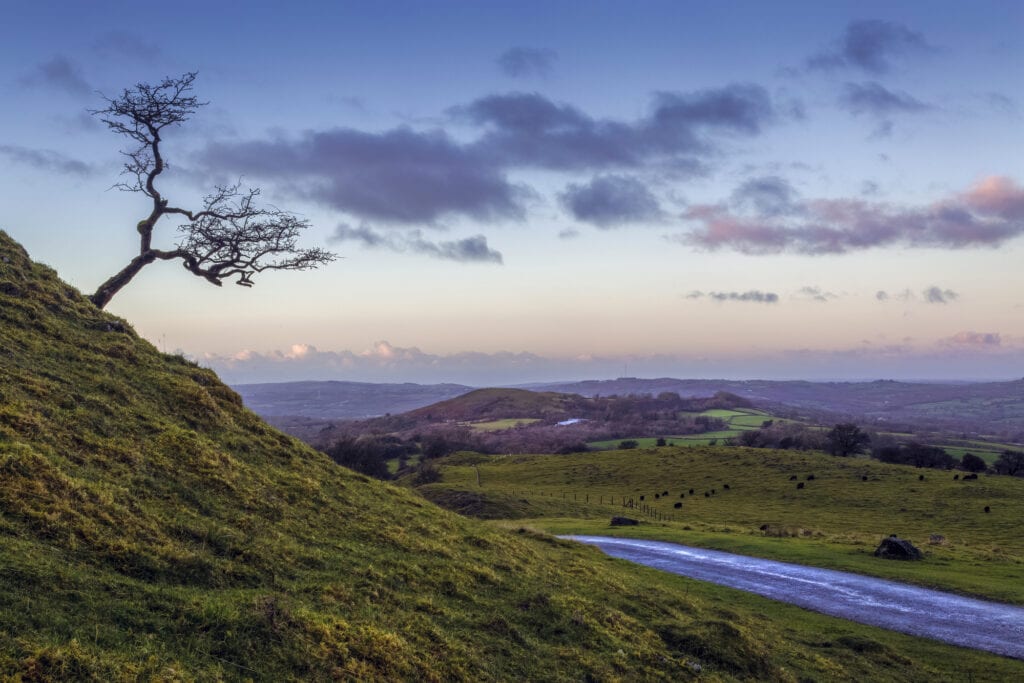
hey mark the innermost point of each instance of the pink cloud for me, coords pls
(988, 214)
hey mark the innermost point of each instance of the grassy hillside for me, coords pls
(153, 529)
(845, 506)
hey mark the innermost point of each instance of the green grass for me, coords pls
(153, 529)
(739, 420)
(835, 521)
(498, 425)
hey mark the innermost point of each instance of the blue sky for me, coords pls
(530, 191)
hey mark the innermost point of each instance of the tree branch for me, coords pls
(230, 236)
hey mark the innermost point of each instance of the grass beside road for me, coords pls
(836, 520)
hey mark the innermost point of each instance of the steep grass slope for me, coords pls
(153, 529)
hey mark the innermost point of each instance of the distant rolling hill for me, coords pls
(992, 409)
(342, 400)
(989, 408)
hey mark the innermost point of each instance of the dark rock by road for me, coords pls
(894, 548)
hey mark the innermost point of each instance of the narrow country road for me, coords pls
(967, 622)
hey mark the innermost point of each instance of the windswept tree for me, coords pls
(230, 236)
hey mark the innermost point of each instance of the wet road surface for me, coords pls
(967, 622)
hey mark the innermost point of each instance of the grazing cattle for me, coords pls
(955, 477)
(793, 478)
(988, 509)
(677, 506)
(800, 485)
(682, 495)
(707, 495)
(864, 478)
(725, 486)
(810, 477)
(920, 477)
(713, 492)
(656, 496)
(969, 477)
(691, 492)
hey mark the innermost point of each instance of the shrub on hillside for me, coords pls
(1011, 463)
(915, 454)
(972, 463)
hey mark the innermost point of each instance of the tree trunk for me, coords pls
(108, 289)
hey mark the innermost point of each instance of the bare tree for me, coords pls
(230, 236)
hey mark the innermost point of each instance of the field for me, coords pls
(836, 520)
(738, 420)
(507, 423)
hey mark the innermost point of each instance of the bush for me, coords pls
(972, 463)
(915, 454)
(628, 443)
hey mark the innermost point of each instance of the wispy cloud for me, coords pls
(766, 195)
(872, 98)
(751, 296)
(609, 201)
(964, 355)
(973, 339)
(871, 45)
(937, 295)
(58, 73)
(815, 294)
(524, 62)
(47, 160)
(467, 250)
(987, 214)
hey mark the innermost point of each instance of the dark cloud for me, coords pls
(409, 176)
(975, 339)
(117, 44)
(527, 129)
(401, 175)
(752, 295)
(58, 73)
(611, 200)
(816, 294)
(988, 214)
(871, 46)
(568, 234)
(467, 250)
(937, 295)
(46, 160)
(873, 99)
(522, 62)
(768, 196)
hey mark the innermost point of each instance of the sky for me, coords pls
(533, 191)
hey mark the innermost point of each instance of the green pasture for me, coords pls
(738, 420)
(498, 425)
(836, 520)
